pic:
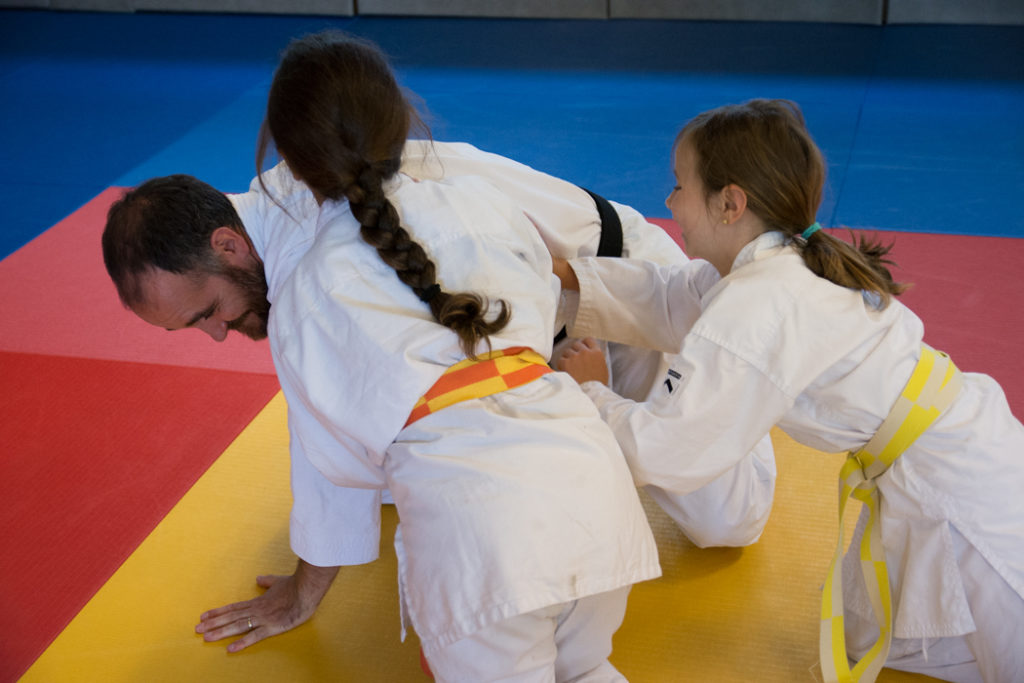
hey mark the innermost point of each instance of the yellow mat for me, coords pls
(736, 615)
(717, 615)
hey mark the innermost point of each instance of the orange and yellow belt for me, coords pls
(487, 374)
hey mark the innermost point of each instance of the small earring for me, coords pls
(725, 221)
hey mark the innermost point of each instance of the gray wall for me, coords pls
(956, 12)
(1005, 12)
(545, 9)
(330, 7)
(839, 11)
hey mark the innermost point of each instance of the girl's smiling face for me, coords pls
(691, 209)
(714, 225)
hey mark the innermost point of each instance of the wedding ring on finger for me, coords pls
(249, 620)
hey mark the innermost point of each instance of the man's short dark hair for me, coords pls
(164, 223)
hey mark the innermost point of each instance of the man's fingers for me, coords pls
(224, 616)
(250, 638)
(226, 627)
(226, 609)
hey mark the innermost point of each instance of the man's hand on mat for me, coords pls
(287, 602)
(584, 360)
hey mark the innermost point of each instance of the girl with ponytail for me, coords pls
(797, 328)
(520, 528)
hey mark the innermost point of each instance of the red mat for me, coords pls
(970, 295)
(67, 306)
(95, 454)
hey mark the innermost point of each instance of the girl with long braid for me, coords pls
(802, 331)
(335, 82)
(520, 528)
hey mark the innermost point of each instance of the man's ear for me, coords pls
(734, 203)
(230, 246)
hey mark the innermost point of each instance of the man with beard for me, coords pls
(215, 289)
(211, 267)
(352, 343)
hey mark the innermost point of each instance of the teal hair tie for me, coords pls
(813, 228)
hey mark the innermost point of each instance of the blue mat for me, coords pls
(921, 125)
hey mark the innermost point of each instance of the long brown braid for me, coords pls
(337, 115)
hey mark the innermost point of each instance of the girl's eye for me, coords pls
(676, 188)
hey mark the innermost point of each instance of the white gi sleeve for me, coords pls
(562, 213)
(716, 412)
(639, 303)
(335, 484)
(331, 525)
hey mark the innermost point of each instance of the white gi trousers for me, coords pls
(991, 654)
(565, 643)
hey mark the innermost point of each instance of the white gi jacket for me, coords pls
(564, 214)
(733, 509)
(775, 344)
(508, 503)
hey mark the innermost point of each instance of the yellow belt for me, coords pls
(487, 374)
(933, 385)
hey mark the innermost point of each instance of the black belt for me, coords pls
(610, 243)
